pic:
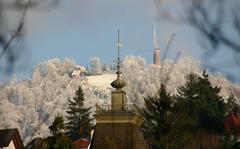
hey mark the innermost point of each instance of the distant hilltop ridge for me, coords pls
(31, 105)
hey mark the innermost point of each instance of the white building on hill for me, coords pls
(78, 71)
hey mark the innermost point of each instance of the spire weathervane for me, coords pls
(118, 83)
(118, 56)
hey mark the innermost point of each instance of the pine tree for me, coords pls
(58, 140)
(232, 106)
(157, 116)
(202, 110)
(203, 103)
(194, 118)
(79, 121)
(58, 126)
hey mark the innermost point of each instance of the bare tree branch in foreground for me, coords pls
(12, 46)
(218, 24)
(17, 32)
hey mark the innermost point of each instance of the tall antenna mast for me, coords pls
(156, 53)
(155, 44)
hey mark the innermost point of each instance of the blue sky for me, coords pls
(80, 29)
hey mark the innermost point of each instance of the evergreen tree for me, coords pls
(232, 106)
(58, 140)
(58, 126)
(194, 118)
(157, 116)
(202, 110)
(229, 142)
(202, 103)
(79, 121)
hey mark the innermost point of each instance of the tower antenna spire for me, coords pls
(155, 44)
(156, 53)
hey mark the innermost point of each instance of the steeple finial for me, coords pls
(118, 56)
(118, 83)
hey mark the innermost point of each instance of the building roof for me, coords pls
(81, 143)
(232, 123)
(8, 135)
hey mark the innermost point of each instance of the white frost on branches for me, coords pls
(31, 105)
(96, 65)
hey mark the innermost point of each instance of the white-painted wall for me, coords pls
(11, 146)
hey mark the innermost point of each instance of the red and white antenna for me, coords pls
(156, 53)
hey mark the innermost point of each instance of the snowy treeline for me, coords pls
(96, 65)
(144, 79)
(31, 105)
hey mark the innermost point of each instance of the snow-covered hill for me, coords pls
(31, 105)
(101, 81)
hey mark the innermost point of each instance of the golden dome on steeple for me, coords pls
(118, 83)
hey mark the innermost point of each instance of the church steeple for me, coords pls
(118, 96)
(119, 126)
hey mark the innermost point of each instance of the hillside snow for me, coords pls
(101, 81)
(31, 105)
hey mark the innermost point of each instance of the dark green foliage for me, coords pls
(157, 119)
(57, 127)
(201, 104)
(79, 121)
(38, 143)
(58, 140)
(202, 110)
(229, 142)
(194, 119)
(232, 106)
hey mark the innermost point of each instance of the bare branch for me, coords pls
(17, 31)
(168, 46)
(165, 55)
(236, 22)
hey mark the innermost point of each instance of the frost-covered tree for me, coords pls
(96, 65)
(134, 69)
(31, 105)
(79, 122)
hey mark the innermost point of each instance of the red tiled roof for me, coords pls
(81, 143)
(232, 123)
